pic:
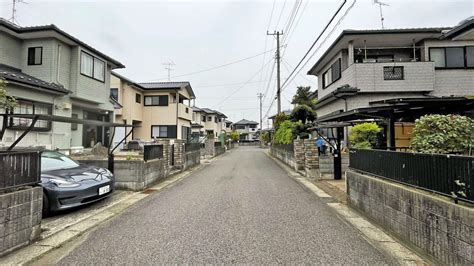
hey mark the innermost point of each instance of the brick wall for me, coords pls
(431, 223)
(299, 154)
(179, 153)
(20, 218)
(311, 158)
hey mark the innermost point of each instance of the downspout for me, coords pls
(177, 113)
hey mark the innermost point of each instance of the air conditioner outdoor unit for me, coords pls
(66, 106)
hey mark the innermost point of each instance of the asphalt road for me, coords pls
(243, 208)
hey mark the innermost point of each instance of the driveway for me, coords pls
(243, 208)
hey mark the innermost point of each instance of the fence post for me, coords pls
(311, 159)
(179, 153)
(166, 153)
(298, 150)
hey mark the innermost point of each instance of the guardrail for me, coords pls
(19, 168)
(448, 175)
(151, 152)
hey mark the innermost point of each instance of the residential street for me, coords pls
(243, 208)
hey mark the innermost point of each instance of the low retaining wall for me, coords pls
(135, 175)
(284, 155)
(20, 218)
(431, 223)
(326, 165)
(219, 150)
(192, 159)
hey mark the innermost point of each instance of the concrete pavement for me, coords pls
(242, 208)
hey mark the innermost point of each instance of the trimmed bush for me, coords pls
(364, 135)
(443, 134)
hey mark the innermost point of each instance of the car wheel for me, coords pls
(46, 210)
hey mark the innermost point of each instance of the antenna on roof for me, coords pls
(13, 17)
(377, 2)
(168, 67)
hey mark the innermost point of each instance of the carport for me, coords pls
(63, 119)
(388, 112)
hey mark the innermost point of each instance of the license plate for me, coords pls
(103, 190)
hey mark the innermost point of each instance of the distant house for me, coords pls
(247, 130)
(286, 112)
(395, 74)
(50, 72)
(159, 109)
(207, 122)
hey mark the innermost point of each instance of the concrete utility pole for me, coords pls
(260, 96)
(277, 58)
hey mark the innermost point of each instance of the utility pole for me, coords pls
(260, 96)
(277, 58)
(168, 67)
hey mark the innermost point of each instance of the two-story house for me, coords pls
(207, 122)
(403, 67)
(247, 130)
(51, 72)
(158, 109)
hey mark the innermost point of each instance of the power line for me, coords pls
(290, 32)
(281, 13)
(243, 85)
(227, 84)
(266, 39)
(220, 66)
(314, 43)
(325, 39)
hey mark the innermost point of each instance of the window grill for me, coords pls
(393, 73)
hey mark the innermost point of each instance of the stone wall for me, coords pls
(219, 150)
(135, 175)
(179, 153)
(20, 218)
(311, 159)
(298, 152)
(283, 155)
(432, 223)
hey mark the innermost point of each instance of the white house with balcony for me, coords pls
(207, 122)
(247, 130)
(396, 74)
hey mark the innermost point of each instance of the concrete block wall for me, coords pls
(219, 150)
(166, 152)
(311, 159)
(192, 159)
(20, 218)
(299, 153)
(179, 153)
(430, 223)
(326, 165)
(283, 155)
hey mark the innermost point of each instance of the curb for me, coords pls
(382, 241)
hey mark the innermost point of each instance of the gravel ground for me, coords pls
(242, 208)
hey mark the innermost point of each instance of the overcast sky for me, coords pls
(197, 35)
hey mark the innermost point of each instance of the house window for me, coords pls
(74, 125)
(332, 74)
(35, 56)
(239, 127)
(161, 100)
(161, 131)
(203, 118)
(453, 57)
(215, 119)
(393, 73)
(209, 118)
(31, 108)
(114, 93)
(138, 98)
(187, 110)
(92, 67)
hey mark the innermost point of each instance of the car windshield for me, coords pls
(55, 161)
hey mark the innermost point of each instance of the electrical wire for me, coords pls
(315, 41)
(243, 85)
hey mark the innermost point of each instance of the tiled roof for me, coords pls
(52, 27)
(15, 75)
(165, 85)
(246, 122)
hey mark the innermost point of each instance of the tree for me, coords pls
(234, 136)
(279, 118)
(6, 102)
(302, 96)
(443, 134)
(303, 113)
(364, 135)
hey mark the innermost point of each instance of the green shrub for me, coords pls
(265, 137)
(6, 102)
(284, 133)
(301, 130)
(303, 113)
(279, 118)
(364, 135)
(443, 134)
(234, 136)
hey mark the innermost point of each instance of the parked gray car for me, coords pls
(67, 184)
